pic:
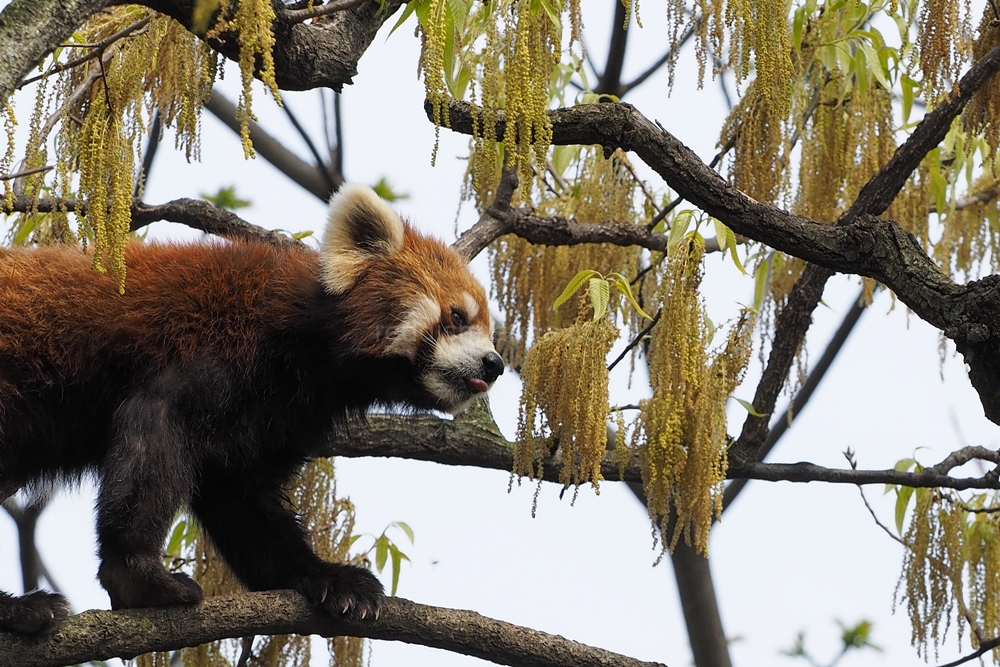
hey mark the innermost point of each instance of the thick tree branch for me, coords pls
(30, 28)
(321, 54)
(100, 635)
(475, 441)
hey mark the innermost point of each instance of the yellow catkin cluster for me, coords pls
(102, 108)
(565, 402)
(109, 137)
(432, 64)
(510, 56)
(709, 33)
(758, 147)
(845, 144)
(971, 232)
(983, 111)
(760, 34)
(944, 37)
(951, 569)
(180, 82)
(910, 206)
(7, 161)
(251, 21)
(681, 440)
(329, 521)
(528, 278)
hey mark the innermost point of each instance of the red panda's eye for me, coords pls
(457, 319)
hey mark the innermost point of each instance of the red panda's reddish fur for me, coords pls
(221, 369)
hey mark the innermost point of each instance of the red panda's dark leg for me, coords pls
(146, 477)
(264, 545)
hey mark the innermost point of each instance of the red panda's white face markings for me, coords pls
(405, 338)
(462, 362)
(409, 296)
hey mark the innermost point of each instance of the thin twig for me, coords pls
(26, 172)
(320, 163)
(98, 50)
(984, 647)
(849, 455)
(246, 651)
(638, 339)
(300, 15)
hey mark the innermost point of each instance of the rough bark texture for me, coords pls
(30, 29)
(100, 635)
(323, 54)
(306, 56)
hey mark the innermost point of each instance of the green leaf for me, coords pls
(720, 233)
(875, 65)
(797, 22)
(397, 558)
(298, 236)
(226, 199)
(573, 286)
(177, 538)
(731, 244)
(857, 637)
(679, 227)
(748, 406)
(563, 156)
(600, 295)
(411, 7)
(384, 190)
(622, 285)
(25, 227)
(908, 85)
(381, 551)
(903, 495)
(760, 284)
(405, 528)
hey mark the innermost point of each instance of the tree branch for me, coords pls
(30, 28)
(194, 213)
(321, 54)
(473, 440)
(313, 178)
(861, 244)
(100, 635)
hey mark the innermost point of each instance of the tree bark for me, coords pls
(31, 29)
(100, 635)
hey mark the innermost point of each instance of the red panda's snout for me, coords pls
(461, 366)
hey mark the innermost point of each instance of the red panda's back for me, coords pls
(59, 316)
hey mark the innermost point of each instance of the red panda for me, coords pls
(220, 371)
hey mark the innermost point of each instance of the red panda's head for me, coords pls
(409, 296)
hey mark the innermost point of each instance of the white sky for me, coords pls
(787, 557)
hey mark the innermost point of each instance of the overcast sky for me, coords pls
(787, 557)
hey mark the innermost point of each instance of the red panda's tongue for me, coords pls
(476, 385)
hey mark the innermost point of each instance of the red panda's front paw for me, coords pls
(344, 590)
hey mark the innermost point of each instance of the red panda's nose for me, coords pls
(492, 366)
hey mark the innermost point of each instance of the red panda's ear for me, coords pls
(360, 226)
